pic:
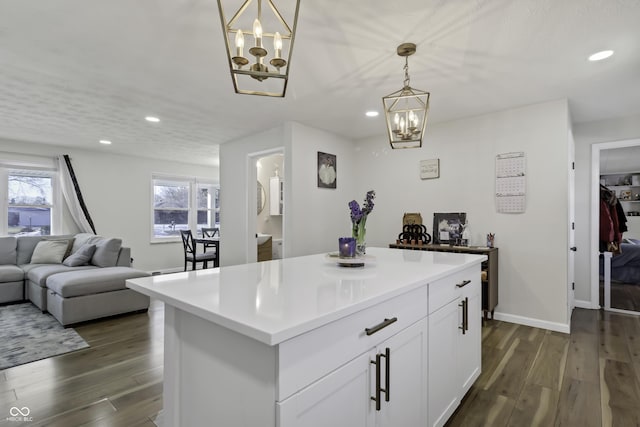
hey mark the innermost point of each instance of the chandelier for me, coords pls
(261, 72)
(406, 109)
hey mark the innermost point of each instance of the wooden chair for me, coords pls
(190, 255)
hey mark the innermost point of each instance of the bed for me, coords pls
(625, 267)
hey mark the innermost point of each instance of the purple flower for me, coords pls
(358, 214)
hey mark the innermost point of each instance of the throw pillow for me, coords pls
(49, 252)
(107, 250)
(81, 256)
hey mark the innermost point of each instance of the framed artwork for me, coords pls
(448, 227)
(430, 169)
(327, 170)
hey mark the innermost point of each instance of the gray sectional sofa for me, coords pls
(75, 278)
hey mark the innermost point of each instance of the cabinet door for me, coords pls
(469, 343)
(444, 394)
(407, 381)
(340, 399)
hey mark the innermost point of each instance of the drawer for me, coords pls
(308, 357)
(446, 290)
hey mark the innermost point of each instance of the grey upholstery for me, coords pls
(78, 293)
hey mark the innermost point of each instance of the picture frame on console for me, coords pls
(448, 227)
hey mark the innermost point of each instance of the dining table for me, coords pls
(208, 242)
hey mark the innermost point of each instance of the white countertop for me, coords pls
(277, 300)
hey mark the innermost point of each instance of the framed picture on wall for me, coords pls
(327, 170)
(448, 227)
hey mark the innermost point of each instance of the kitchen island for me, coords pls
(306, 342)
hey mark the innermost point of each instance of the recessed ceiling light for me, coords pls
(105, 142)
(599, 56)
(152, 119)
(372, 114)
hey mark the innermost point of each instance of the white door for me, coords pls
(443, 395)
(406, 385)
(341, 399)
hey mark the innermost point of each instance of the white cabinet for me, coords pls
(276, 188)
(454, 342)
(386, 386)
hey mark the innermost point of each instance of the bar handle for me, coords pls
(376, 398)
(465, 326)
(463, 284)
(379, 326)
(387, 380)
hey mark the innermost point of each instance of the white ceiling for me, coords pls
(73, 72)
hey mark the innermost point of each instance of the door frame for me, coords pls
(252, 189)
(595, 212)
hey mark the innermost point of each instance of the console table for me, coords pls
(490, 267)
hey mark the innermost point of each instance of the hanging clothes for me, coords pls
(613, 221)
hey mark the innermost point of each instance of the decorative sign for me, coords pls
(430, 169)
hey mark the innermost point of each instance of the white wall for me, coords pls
(117, 191)
(313, 217)
(533, 245)
(585, 135)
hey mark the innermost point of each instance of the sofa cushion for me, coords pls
(88, 282)
(27, 244)
(49, 252)
(80, 240)
(40, 273)
(80, 257)
(106, 254)
(8, 250)
(11, 273)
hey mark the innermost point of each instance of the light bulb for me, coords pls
(239, 43)
(402, 125)
(396, 120)
(257, 32)
(277, 44)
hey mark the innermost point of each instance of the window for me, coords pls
(182, 204)
(30, 198)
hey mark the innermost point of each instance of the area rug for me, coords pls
(27, 334)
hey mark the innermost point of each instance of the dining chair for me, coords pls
(190, 253)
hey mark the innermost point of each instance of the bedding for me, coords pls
(625, 267)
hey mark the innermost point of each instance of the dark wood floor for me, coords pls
(115, 382)
(531, 377)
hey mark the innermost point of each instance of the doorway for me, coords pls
(268, 192)
(614, 158)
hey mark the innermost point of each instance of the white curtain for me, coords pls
(73, 196)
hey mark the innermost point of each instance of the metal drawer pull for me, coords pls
(382, 325)
(463, 284)
(376, 398)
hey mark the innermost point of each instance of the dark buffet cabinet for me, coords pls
(489, 268)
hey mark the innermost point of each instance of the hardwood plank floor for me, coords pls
(590, 377)
(531, 377)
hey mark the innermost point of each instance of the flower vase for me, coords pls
(360, 234)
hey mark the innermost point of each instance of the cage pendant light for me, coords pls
(406, 109)
(265, 70)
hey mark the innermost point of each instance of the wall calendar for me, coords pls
(510, 183)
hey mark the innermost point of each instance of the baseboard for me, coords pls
(536, 323)
(584, 304)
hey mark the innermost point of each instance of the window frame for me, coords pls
(193, 183)
(9, 168)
